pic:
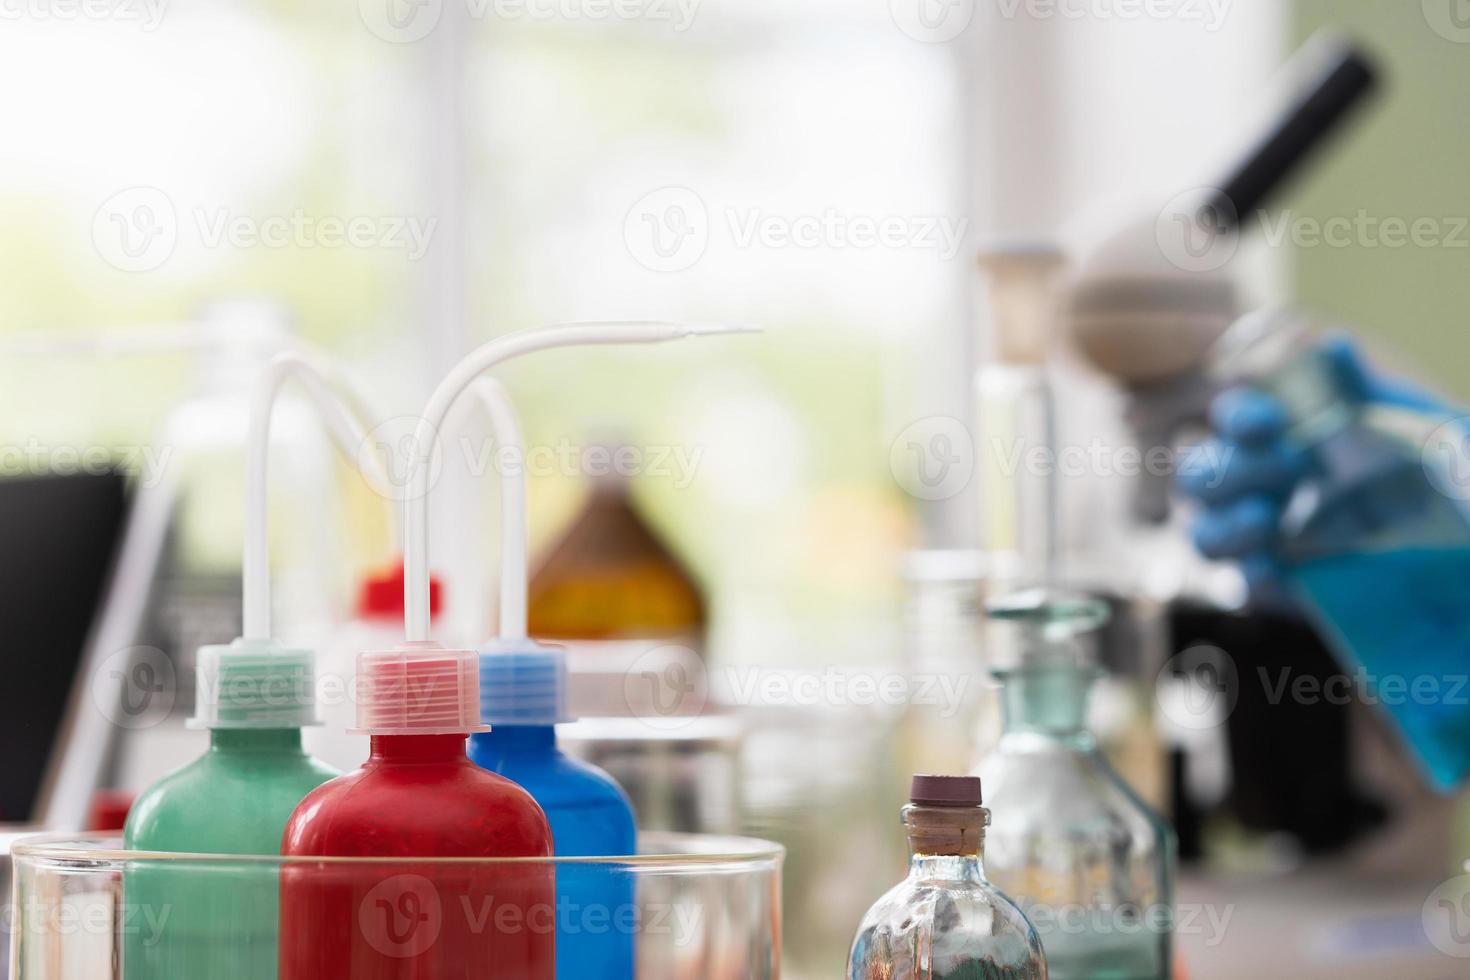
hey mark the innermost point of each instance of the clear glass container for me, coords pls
(1375, 541)
(704, 908)
(1016, 414)
(945, 921)
(1086, 858)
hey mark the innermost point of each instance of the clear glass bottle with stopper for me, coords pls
(1087, 859)
(945, 921)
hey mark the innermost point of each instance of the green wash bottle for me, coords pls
(187, 921)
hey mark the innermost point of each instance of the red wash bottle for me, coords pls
(420, 799)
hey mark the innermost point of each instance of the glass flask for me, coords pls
(945, 921)
(1375, 541)
(1086, 858)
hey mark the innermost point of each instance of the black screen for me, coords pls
(58, 536)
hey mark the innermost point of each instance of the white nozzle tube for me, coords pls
(461, 377)
(514, 532)
(347, 431)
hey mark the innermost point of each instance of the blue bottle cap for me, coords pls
(523, 682)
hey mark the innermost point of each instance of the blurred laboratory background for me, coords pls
(769, 556)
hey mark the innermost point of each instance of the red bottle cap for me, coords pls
(418, 689)
(945, 791)
(380, 595)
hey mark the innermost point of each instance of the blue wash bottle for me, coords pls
(523, 698)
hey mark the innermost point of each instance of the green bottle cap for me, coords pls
(254, 684)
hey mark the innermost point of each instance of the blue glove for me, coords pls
(1246, 474)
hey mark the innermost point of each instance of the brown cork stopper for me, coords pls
(944, 817)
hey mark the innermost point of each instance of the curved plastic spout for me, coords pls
(514, 534)
(460, 378)
(343, 416)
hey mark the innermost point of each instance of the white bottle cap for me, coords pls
(523, 683)
(254, 684)
(418, 689)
